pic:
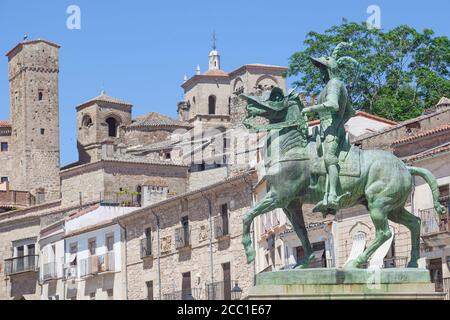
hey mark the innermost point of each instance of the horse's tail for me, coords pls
(431, 181)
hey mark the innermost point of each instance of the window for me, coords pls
(42, 130)
(185, 225)
(112, 127)
(110, 242)
(149, 285)
(148, 242)
(73, 253)
(139, 195)
(4, 179)
(40, 95)
(110, 293)
(4, 147)
(40, 196)
(87, 121)
(224, 214)
(186, 291)
(91, 246)
(212, 104)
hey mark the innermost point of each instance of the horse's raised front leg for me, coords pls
(268, 203)
(294, 213)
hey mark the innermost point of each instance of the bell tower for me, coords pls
(214, 56)
(33, 68)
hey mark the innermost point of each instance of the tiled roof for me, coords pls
(216, 73)
(429, 153)
(374, 117)
(155, 119)
(444, 100)
(365, 115)
(5, 123)
(103, 97)
(160, 145)
(33, 42)
(423, 134)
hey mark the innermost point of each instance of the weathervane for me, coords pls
(214, 39)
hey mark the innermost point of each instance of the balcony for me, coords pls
(21, 265)
(49, 271)
(434, 228)
(188, 294)
(270, 223)
(219, 290)
(146, 248)
(97, 264)
(70, 272)
(221, 227)
(182, 237)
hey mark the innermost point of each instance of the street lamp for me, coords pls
(236, 292)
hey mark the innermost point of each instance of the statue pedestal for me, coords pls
(332, 283)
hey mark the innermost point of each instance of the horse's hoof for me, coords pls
(251, 254)
(412, 264)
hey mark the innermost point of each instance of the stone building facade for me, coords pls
(190, 244)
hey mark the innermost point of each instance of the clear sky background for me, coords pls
(139, 51)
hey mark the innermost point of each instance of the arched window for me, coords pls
(212, 104)
(87, 121)
(112, 127)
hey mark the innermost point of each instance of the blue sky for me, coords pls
(139, 51)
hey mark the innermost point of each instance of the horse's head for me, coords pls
(274, 106)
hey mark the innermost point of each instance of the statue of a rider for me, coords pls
(334, 110)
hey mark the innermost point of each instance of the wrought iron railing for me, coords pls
(97, 264)
(432, 222)
(189, 294)
(21, 264)
(146, 248)
(70, 272)
(49, 271)
(219, 290)
(395, 262)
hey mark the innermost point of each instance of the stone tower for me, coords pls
(100, 122)
(33, 68)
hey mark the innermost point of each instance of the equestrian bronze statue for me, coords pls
(323, 169)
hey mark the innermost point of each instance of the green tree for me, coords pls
(401, 71)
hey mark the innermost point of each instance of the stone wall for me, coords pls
(202, 179)
(195, 258)
(104, 179)
(6, 157)
(24, 284)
